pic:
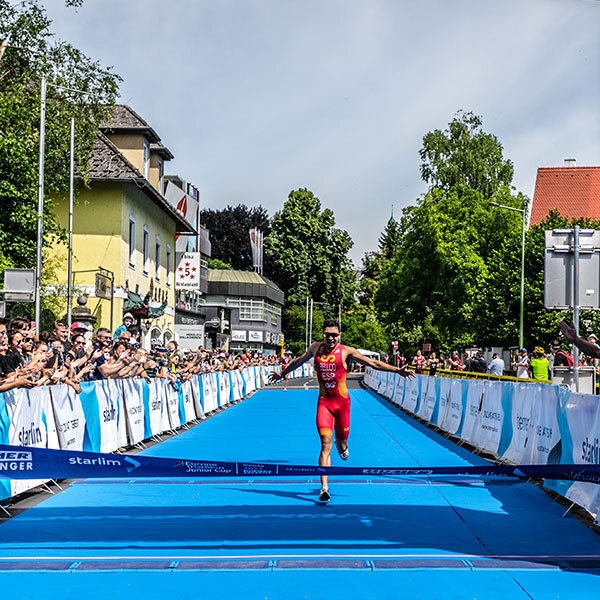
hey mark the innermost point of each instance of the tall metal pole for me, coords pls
(306, 325)
(310, 323)
(522, 296)
(40, 224)
(70, 254)
(576, 304)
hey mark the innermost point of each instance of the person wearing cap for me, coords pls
(521, 365)
(561, 358)
(538, 365)
(127, 323)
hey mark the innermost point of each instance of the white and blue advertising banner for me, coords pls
(490, 428)
(237, 385)
(382, 385)
(264, 376)
(391, 381)
(224, 390)
(69, 417)
(543, 446)
(580, 439)
(105, 427)
(472, 411)
(521, 414)
(399, 387)
(411, 393)
(133, 400)
(209, 393)
(441, 409)
(156, 414)
(430, 393)
(454, 408)
(249, 379)
(31, 424)
(172, 401)
(186, 402)
(197, 396)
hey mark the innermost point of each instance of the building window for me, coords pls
(157, 258)
(161, 174)
(168, 264)
(146, 250)
(146, 157)
(131, 241)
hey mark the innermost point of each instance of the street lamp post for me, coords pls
(522, 296)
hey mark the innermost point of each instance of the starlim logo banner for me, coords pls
(17, 462)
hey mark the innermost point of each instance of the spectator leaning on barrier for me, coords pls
(538, 365)
(496, 366)
(521, 365)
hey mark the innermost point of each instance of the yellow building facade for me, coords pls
(123, 224)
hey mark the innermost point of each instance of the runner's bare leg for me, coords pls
(325, 455)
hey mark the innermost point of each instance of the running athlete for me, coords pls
(333, 405)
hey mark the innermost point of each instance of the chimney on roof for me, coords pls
(570, 162)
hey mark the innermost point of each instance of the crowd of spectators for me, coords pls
(65, 356)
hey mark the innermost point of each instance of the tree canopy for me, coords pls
(307, 254)
(78, 87)
(230, 232)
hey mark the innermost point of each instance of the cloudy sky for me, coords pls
(259, 97)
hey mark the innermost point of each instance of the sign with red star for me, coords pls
(187, 275)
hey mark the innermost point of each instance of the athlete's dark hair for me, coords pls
(331, 323)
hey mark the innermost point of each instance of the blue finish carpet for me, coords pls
(379, 538)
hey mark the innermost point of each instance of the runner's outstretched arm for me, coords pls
(377, 364)
(586, 347)
(273, 377)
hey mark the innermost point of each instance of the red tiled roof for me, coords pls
(573, 191)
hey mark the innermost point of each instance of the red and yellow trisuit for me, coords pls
(333, 406)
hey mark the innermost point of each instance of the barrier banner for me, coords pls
(237, 385)
(390, 386)
(472, 411)
(187, 412)
(441, 408)
(209, 386)
(490, 420)
(399, 390)
(197, 392)
(172, 401)
(133, 400)
(102, 404)
(156, 416)
(411, 393)
(521, 420)
(581, 443)
(382, 382)
(223, 389)
(68, 416)
(454, 408)
(31, 424)
(19, 462)
(543, 445)
(430, 393)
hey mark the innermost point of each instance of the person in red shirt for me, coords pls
(418, 362)
(333, 405)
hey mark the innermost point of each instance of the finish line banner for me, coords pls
(25, 462)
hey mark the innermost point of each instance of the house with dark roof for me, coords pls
(123, 224)
(573, 191)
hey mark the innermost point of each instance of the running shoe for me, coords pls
(344, 454)
(324, 495)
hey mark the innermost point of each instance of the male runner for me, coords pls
(333, 405)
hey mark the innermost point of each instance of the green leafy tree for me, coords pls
(307, 255)
(215, 263)
(33, 53)
(464, 155)
(435, 287)
(230, 233)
